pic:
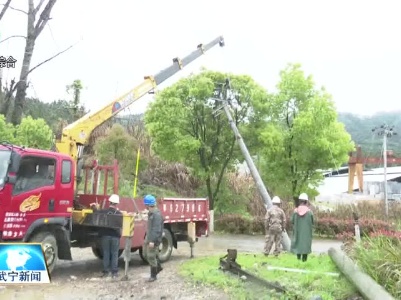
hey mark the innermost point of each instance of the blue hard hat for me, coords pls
(149, 200)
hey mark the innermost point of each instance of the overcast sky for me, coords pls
(350, 47)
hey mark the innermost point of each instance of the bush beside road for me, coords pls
(328, 223)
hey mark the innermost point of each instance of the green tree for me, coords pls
(302, 135)
(184, 127)
(118, 144)
(6, 130)
(34, 133)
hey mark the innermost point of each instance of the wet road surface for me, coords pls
(247, 243)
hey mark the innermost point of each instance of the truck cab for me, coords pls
(36, 198)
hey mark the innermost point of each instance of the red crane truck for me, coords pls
(39, 201)
(38, 204)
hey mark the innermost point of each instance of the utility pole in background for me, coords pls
(230, 98)
(387, 132)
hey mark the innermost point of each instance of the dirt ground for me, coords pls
(79, 280)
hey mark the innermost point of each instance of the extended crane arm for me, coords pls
(76, 135)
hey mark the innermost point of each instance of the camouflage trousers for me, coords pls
(151, 255)
(274, 236)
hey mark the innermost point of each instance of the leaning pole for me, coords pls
(254, 171)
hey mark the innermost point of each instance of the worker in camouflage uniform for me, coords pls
(153, 237)
(275, 224)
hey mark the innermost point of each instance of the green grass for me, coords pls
(206, 271)
(380, 258)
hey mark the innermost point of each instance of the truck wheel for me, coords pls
(49, 246)
(99, 253)
(166, 246)
(142, 256)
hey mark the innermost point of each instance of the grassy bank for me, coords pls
(206, 271)
(380, 257)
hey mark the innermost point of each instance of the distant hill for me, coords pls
(360, 129)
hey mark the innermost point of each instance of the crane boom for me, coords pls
(76, 135)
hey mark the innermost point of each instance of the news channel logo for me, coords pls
(22, 263)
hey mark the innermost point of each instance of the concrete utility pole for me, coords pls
(385, 131)
(228, 97)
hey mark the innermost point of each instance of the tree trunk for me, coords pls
(296, 201)
(1, 89)
(210, 192)
(7, 102)
(5, 7)
(76, 103)
(22, 84)
(294, 189)
(33, 31)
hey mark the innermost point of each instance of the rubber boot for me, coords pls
(153, 273)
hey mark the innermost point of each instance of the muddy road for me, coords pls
(79, 279)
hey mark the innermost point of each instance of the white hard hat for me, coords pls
(276, 200)
(114, 199)
(304, 197)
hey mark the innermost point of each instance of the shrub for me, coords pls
(365, 209)
(240, 224)
(233, 223)
(331, 227)
(386, 233)
(379, 256)
(257, 225)
(327, 227)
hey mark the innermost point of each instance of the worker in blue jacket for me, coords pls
(153, 237)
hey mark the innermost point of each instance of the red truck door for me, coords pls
(37, 193)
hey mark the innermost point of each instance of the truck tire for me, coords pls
(97, 251)
(142, 256)
(165, 248)
(49, 246)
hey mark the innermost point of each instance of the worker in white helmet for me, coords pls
(275, 224)
(110, 240)
(302, 223)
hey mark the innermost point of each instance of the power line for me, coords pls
(51, 33)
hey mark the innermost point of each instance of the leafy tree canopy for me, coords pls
(301, 135)
(34, 133)
(31, 132)
(186, 126)
(6, 130)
